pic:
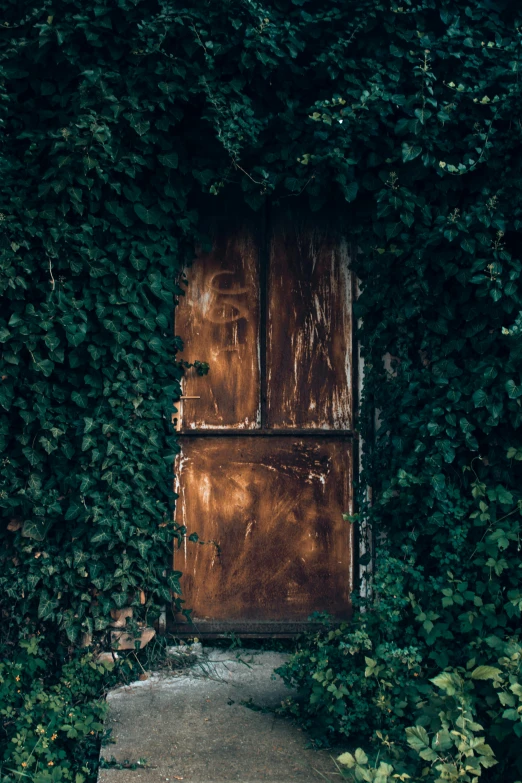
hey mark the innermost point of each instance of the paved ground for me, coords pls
(194, 727)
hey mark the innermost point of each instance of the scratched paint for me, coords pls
(272, 508)
(309, 337)
(218, 320)
(269, 509)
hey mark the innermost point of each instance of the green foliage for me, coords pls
(420, 122)
(466, 718)
(51, 712)
(95, 228)
(405, 120)
(353, 686)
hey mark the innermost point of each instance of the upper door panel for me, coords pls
(309, 336)
(218, 320)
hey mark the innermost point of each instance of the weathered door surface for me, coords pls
(265, 471)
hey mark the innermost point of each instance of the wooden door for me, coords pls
(265, 470)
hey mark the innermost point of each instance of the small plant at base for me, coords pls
(52, 713)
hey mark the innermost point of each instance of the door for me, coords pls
(265, 470)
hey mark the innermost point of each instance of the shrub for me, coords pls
(52, 708)
(448, 671)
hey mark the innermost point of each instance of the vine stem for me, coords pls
(255, 181)
(53, 281)
(500, 519)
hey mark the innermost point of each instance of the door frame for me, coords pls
(283, 629)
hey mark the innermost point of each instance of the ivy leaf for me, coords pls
(410, 152)
(480, 398)
(80, 398)
(446, 682)
(45, 366)
(485, 673)
(142, 546)
(31, 456)
(152, 216)
(156, 345)
(442, 741)
(36, 529)
(439, 481)
(468, 245)
(361, 757)
(76, 334)
(514, 391)
(88, 442)
(170, 160)
(422, 115)
(350, 190)
(47, 444)
(119, 599)
(139, 262)
(451, 233)
(504, 496)
(140, 125)
(347, 760)
(90, 424)
(34, 483)
(100, 537)
(46, 606)
(73, 511)
(417, 738)
(119, 212)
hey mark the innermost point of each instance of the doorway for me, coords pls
(267, 437)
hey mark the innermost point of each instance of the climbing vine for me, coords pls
(121, 123)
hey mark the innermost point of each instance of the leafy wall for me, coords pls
(118, 117)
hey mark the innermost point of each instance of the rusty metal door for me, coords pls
(265, 470)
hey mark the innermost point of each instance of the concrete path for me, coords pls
(193, 726)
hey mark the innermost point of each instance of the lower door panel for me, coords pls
(276, 548)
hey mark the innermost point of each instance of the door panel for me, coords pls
(270, 511)
(218, 320)
(309, 338)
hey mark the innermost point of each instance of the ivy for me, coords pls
(52, 712)
(95, 230)
(122, 125)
